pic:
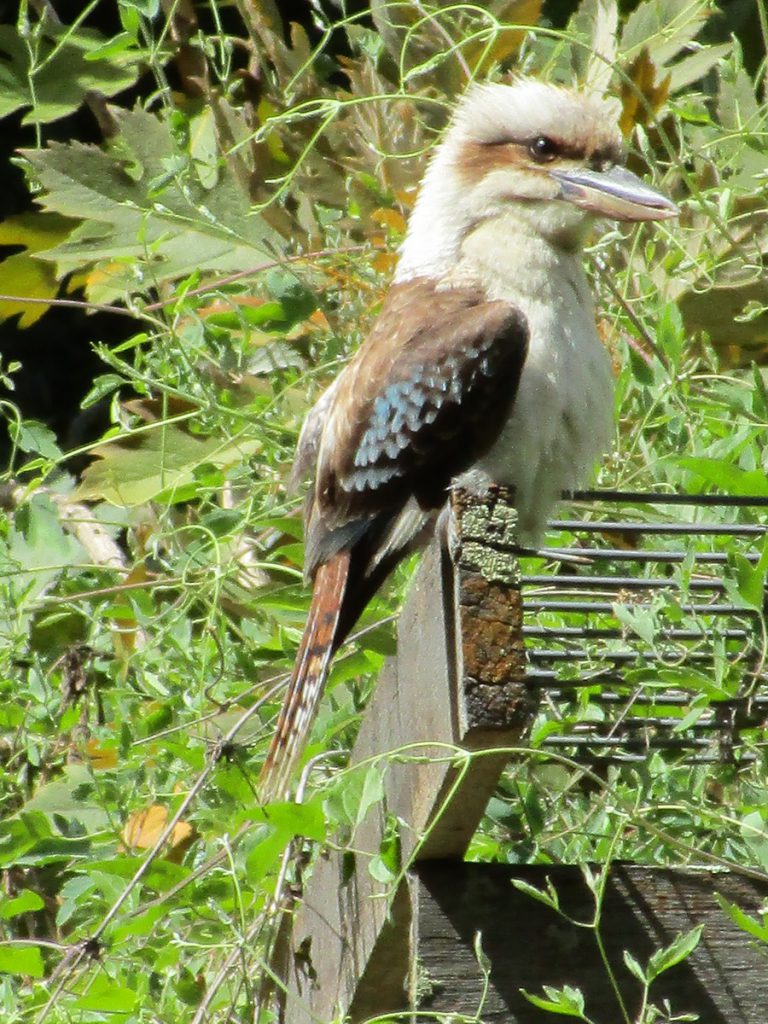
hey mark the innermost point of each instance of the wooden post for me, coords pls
(457, 681)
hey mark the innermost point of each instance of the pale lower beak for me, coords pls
(616, 193)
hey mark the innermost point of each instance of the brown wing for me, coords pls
(426, 394)
(423, 398)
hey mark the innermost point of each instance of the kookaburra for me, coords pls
(483, 367)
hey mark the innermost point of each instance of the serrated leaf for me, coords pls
(139, 467)
(691, 69)
(663, 27)
(35, 438)
(567, 1001)
(39, 549)
(65, 69)
(141, 199)
(641, 95)
(737, 105)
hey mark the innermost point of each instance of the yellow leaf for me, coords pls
(391, 219)
(384, 262)
(35, 231)
(100, 757)
(144, 828)
(127, 635)
(641, 98)
(23, 274)
(482, 55)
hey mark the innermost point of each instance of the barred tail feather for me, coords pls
(308, 678)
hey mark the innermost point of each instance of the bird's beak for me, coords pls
(615, 193)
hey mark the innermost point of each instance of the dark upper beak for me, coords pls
(615, 193)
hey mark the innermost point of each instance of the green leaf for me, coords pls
(265, 854)
(142, 924)
(140, 201)
(750, 582)
(293, 819)
(693, 68)
(641, 621)
(35, 438)
(663, 27)
(63, 69)
(24, 903)
(385, 865)
(39, 549)
(670, 333)
(549, 897)
(371, 792)
(679, 949)
(743, 920)
(106, 997)
(567, 1001)
(136, 468)
(26, 960)
(642, 370)
(634, 967)
(68, 798)
(728, 478)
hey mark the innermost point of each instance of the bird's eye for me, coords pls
(543, 149)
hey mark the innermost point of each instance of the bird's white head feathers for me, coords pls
(485, 163)
(489, 112)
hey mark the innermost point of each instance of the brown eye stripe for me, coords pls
(477, 159)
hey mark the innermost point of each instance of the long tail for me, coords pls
(308, 678)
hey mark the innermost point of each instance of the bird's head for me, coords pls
(551, 155)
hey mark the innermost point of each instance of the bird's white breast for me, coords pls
(562, 417)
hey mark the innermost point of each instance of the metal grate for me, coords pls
(639, 638)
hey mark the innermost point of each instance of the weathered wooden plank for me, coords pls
(528, 945)
(456, 682)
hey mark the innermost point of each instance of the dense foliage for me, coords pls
(243, 209)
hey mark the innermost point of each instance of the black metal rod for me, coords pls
(611, 633)
(667, 557)
(629, 743)
(616, 582)
(687, 529)
(540, 676)
(666, 699)
(603, 760)
(710, 723)
(606, 607)
(543, 678)
(582, 654)
(662, 498)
